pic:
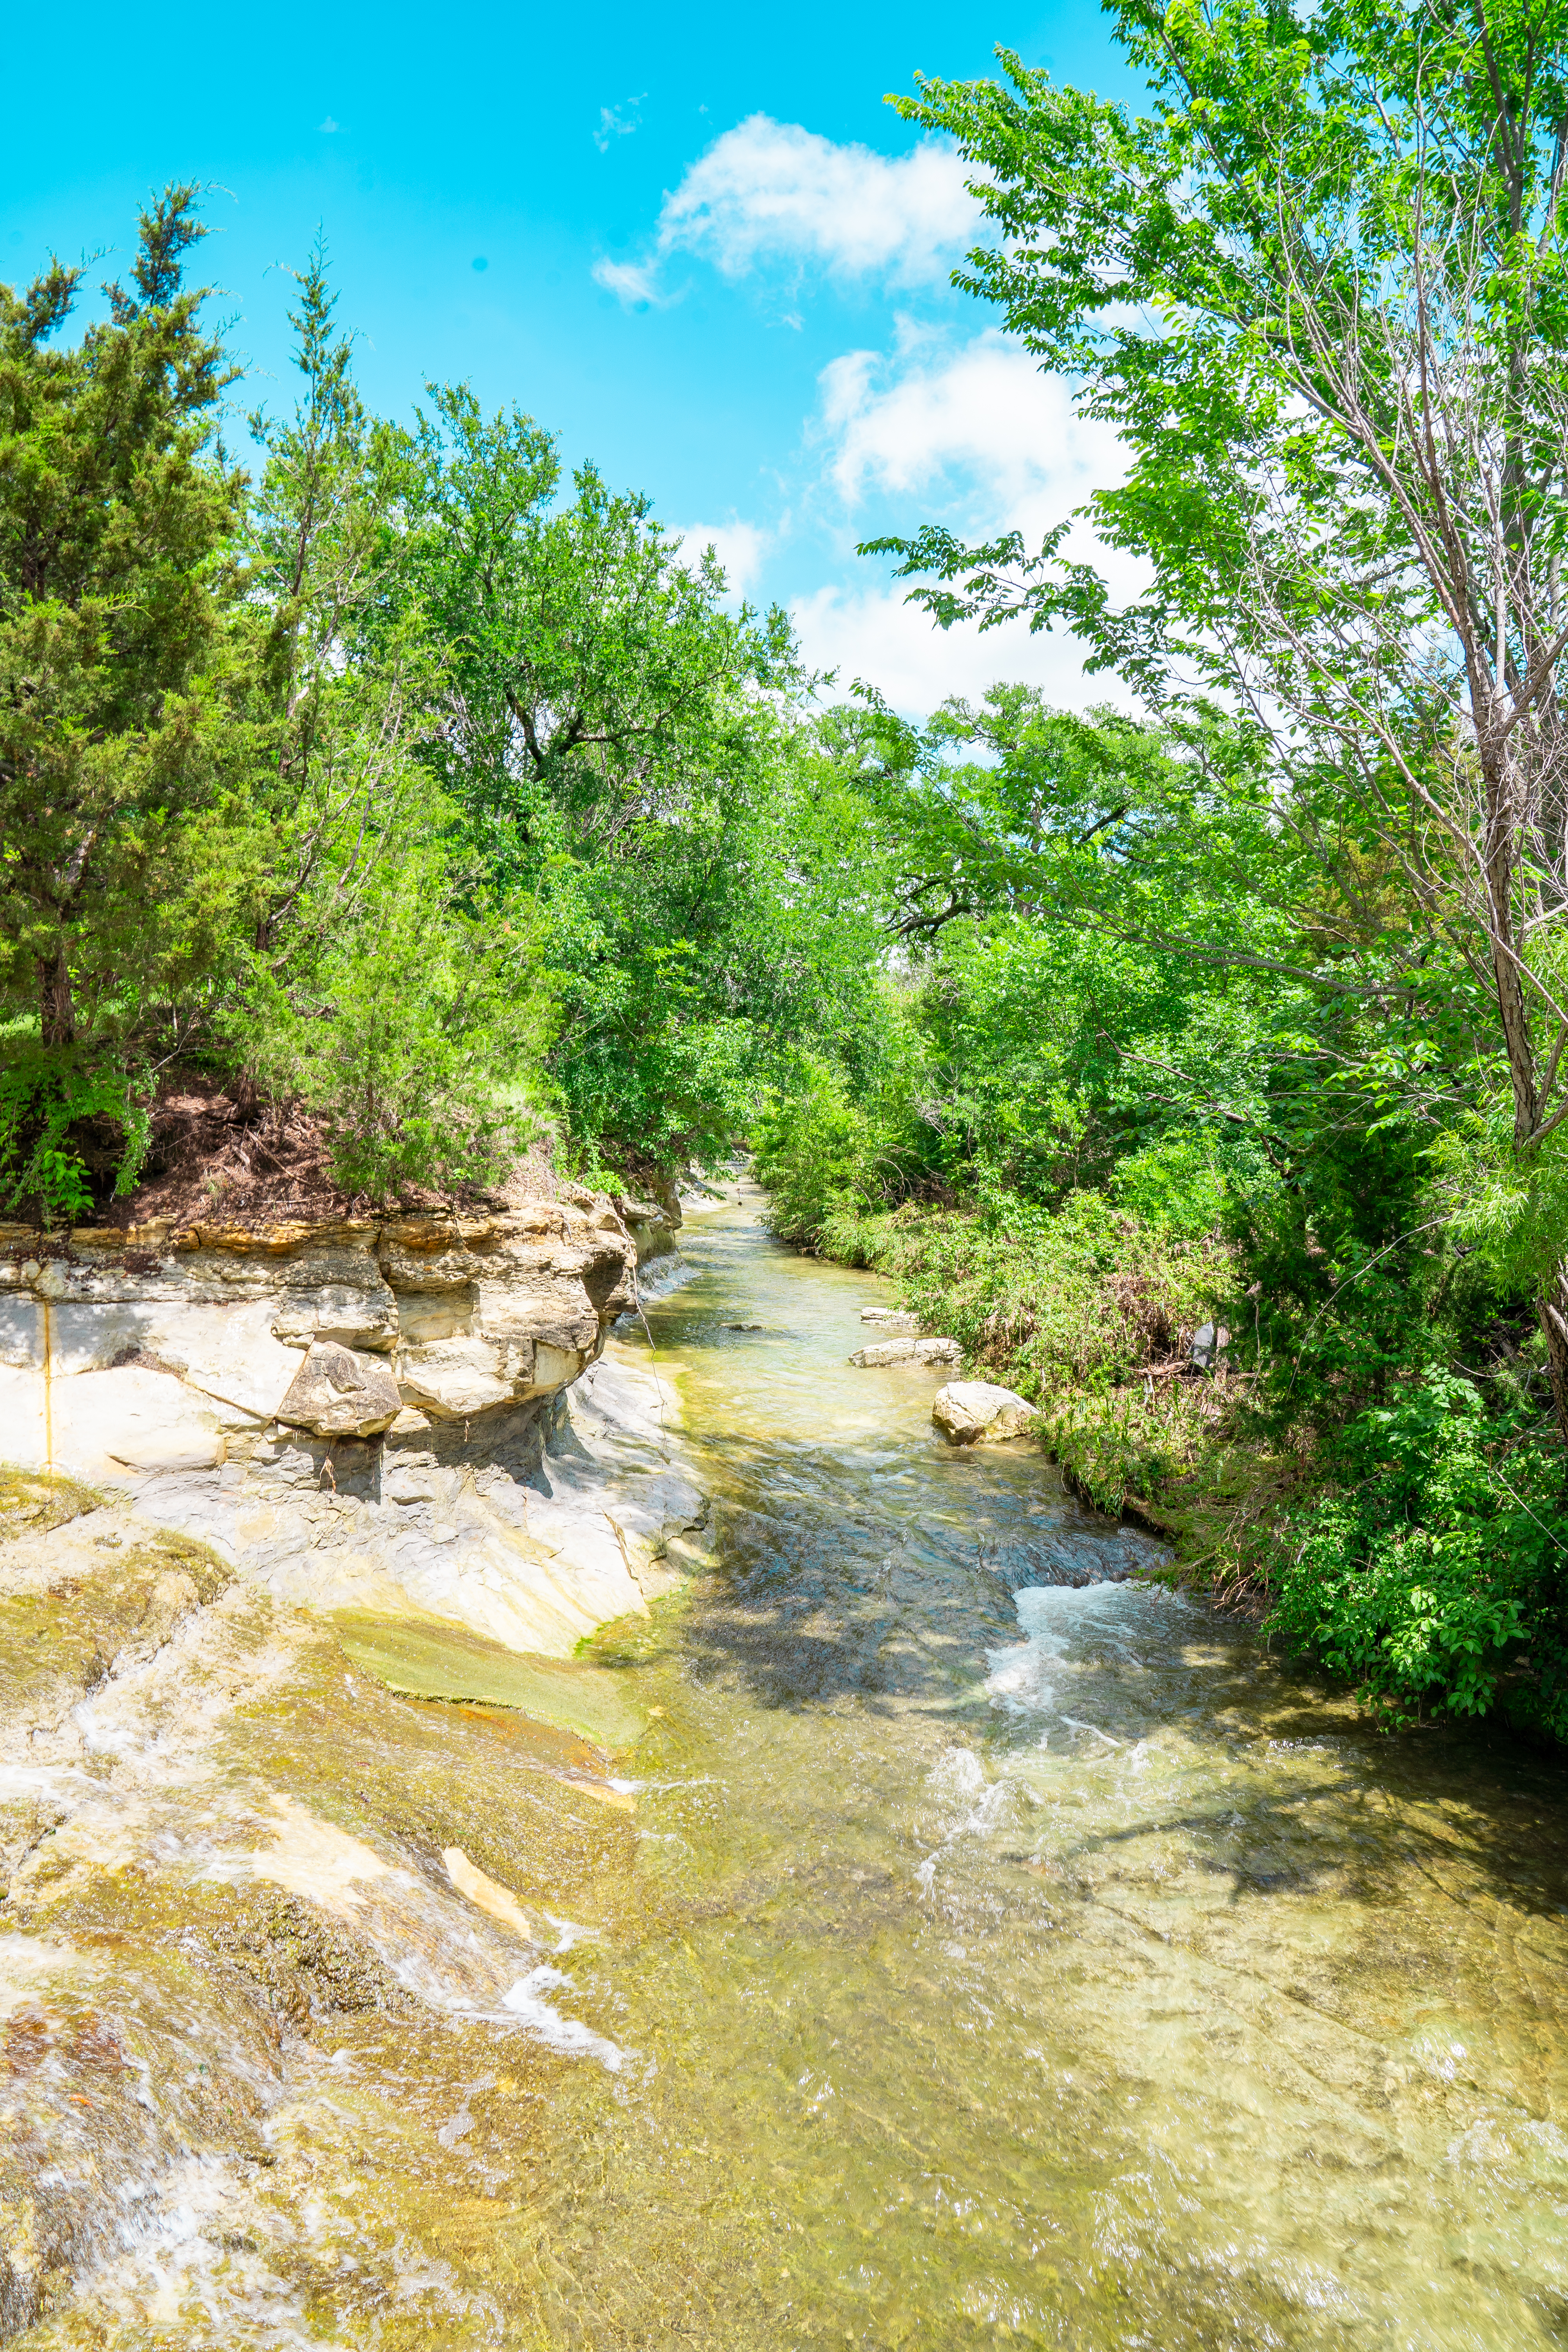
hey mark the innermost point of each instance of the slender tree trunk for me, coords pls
(1551, 1300)
(56, 1014)
(1551, 1306)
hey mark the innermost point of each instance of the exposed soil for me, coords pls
(226, 1155)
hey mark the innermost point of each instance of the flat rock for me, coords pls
(971, 1412)
(337, 1393)
(892, 1318)
(909, 1351)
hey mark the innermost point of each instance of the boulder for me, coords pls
(909, 1351)
(337, 1393)
(971, 1412)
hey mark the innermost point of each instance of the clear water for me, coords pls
(993, 1953)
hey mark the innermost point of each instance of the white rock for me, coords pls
(909, 1351)
(107, 1422)
(496, 1497)
(970, 1413)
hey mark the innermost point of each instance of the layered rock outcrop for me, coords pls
(330, 1328)
(366, 1413)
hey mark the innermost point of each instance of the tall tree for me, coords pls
(1321, 290)
(115, 506)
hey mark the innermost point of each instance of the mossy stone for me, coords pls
(424, 1657)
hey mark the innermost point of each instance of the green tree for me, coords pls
(1321, 290)
(618, 743)
(118, 802)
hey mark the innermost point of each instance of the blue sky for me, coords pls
(698, 246)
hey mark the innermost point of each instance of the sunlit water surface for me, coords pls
(1006, 1952)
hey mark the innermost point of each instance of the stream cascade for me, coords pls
(906, 1920)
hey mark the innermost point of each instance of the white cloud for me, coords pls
(984, 415)
(630, 282)
(740, 548)
(613, 126)
(329, 125)
(870, 633)
(771, 192)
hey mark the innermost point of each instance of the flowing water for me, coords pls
(996, 1952)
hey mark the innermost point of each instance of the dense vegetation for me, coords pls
(402, 783)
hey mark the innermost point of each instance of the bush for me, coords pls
(48, 1095)
(1435, 1568)
(1059, 1302)
(820, 1156)
(416, 1040)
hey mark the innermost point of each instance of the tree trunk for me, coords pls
(1553, 1309)
(57, 1015)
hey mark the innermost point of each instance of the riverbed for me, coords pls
(982, 1944)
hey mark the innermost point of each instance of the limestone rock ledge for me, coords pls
(364, 1414)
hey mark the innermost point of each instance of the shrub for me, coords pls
(1435, 1565)
(48, 1095)
(415, 1040)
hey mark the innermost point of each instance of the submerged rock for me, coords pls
(909, 1351)
(971, 1412)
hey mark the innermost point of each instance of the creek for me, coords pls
(996, 1950)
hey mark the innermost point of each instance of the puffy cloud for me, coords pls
(977, 435)
(774, 193)
(870, 633)
(983, 419)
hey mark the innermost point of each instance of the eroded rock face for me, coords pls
(155, 1349)
(971, 1412)
(653, 1217)
(469, 1455)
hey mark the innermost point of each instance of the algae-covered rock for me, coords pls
(32, 1502)
(59, 1641)
(426, 1658)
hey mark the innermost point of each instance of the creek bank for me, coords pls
(405, 1415)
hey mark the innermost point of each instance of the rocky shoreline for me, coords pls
(408, 1414)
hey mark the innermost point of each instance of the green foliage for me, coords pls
(120, 798)
(611, 755)
(1436, 1565)
(47, 1094)
(1078, 1298)
(412, 1037)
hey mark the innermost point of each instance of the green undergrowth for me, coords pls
(1417, 1551)
(1090, 1313)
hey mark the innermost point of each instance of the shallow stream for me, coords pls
(1052, 1965)
(995, 1951)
